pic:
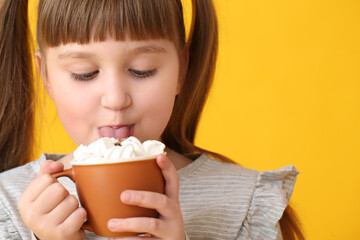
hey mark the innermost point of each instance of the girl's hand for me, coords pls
(169, 225)
(48, 209)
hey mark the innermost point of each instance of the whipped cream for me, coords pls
(111, 150)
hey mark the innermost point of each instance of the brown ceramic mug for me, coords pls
(99, 187)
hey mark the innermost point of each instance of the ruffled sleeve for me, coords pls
(271, 196)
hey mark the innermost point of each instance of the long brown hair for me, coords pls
(16, 85)
(65, 21)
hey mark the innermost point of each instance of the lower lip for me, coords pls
(116, 132)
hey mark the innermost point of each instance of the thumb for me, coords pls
(50, 167)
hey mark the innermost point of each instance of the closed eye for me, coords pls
(142, 74)
(84, 76)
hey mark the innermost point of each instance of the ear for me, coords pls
(184, 62)
(41, 67)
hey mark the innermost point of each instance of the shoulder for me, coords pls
(215, 196)
(204, 166)
(236, 198)
(12, 184)
(15, 180)
(20, 174)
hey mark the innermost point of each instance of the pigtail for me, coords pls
(203, 46)
(203, 49)
(16, 85)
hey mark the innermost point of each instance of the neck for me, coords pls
(177, 159)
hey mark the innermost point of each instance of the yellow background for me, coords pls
(286, 92)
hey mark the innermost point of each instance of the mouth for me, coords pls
(116, 131)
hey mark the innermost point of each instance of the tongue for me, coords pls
(118, 133)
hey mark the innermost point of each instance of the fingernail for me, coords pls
(111, 224)
(125, 196)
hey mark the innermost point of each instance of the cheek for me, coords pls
(66, 99)
(155, 119)
(158, 104)
(161, 107)
(69, 109)
(71, 112)
(75, 108)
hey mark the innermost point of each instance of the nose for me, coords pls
(116, 94)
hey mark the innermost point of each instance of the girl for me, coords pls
(119, 68)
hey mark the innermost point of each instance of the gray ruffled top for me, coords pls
(218, 200)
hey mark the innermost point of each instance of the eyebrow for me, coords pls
(150, 49)
(72, 54)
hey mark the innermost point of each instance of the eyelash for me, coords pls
(85, 76)
(91, 75)
(142, 74)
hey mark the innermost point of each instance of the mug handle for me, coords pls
(69, 173)
(65, 173)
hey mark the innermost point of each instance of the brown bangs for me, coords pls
(81, 21)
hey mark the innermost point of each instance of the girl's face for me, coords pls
(112, 88)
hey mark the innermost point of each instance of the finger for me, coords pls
(75, 220)
(36, 187)
(50, 198)
(171, 177)
(64, 209)
(152, 200)
(50, 166)
(153, 226)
